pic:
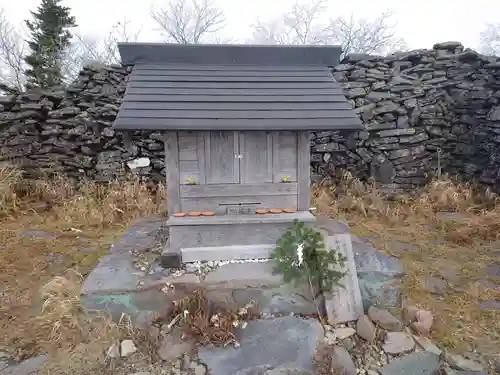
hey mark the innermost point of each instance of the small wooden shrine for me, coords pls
(236, 122)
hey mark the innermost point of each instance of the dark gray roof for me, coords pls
(196, 96)
(226, 54)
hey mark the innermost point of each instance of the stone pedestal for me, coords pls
(228, 237)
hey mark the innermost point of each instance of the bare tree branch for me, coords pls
(106, 50)
(12, 51)
(301, 25)
(189, 21)
(305, 24)
(365, 36)
(86, 49)
(490, 40)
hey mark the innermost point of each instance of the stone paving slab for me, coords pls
(418, 363)
(242, 283)
(29, 366)
(379, 275)
(113, 286)
(274, 346)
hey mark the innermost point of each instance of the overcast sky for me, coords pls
(420, 23)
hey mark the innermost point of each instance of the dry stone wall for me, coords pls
(423, 110)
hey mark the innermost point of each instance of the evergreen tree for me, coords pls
(50, 36)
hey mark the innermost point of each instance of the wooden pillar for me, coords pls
(172, 171)
(303, 171)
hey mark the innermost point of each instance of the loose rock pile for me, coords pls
(380, 343)
(423, 110)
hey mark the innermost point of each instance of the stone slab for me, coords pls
(344, 303)
(331, 226)
(115, 271)
(240, 283)
(380, 276)
(418, 363)
(114, 285)
(274, 345)
(29, 366)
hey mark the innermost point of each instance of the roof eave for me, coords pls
(354, 126)
(224, 54)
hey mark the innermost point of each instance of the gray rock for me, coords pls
(293, 342)
(458, 362)
(38, 233)
(496, 365)
(419, 363)
(366, 329)
(282, 371)
(427, 345)
(173, 347)
(342, 362)
(384, 172)
(385, 319)
(145, 318)
(450, 371)
(379, 275)
(398, 343)
(200, 370)
(493, 270)
(348, 343)
(343, 332)
(490, 305)
(26, 367)
(113, 285)
(402, 246)
(434, 285)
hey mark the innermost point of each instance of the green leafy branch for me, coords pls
(300, 256)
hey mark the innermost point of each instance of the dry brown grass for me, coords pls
(77, 341)
(466, 244)
(75, 225)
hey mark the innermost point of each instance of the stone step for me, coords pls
(229, 230)
(221, 253)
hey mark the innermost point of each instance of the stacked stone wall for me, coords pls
(423, 110)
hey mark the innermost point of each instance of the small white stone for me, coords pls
(330, 338)
(139, 163)
(200, 370)
(127, 347)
